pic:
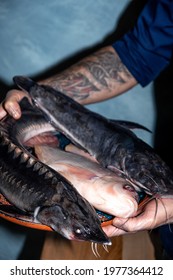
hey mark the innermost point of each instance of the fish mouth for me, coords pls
(102, 239)
(99, 236)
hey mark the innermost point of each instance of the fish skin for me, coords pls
(40, 191)
(92, 180)
(113, 145)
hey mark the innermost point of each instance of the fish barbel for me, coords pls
(112, 144)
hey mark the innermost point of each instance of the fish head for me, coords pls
(52, 103)
(74, 223)
(41, 95)
(29, 86)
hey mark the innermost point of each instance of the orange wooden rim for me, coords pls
(25, 223)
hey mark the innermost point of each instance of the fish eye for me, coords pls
(78, 231)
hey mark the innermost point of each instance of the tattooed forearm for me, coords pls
(105, 66)
(75, 85)
(97, 77)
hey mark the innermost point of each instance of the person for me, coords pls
(137, 58)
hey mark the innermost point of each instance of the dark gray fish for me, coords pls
(38, 190)
(113, 145)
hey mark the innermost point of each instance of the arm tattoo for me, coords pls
(107, 66)
(90, 75)
(75, 85)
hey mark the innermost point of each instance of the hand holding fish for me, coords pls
(11, 104)
(154, 215)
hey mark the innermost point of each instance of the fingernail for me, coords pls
(15, 114)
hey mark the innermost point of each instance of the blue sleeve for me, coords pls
(147, 49)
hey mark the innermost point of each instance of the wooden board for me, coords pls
(58, 248)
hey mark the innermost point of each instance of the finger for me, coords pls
(148, 219)
(111, 231)
(133, 224)
(2, 111)
(154, 215)
(13, 109)
(11, 103)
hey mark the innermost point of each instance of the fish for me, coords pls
(114, 145)
(91, 180)
(36, 189)
(80, 169)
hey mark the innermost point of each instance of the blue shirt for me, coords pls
(147, 49)
(166, 236)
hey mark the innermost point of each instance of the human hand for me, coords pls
(155, 214)
(10, 104)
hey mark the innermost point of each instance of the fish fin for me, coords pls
(129, 125)
(23, 83)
